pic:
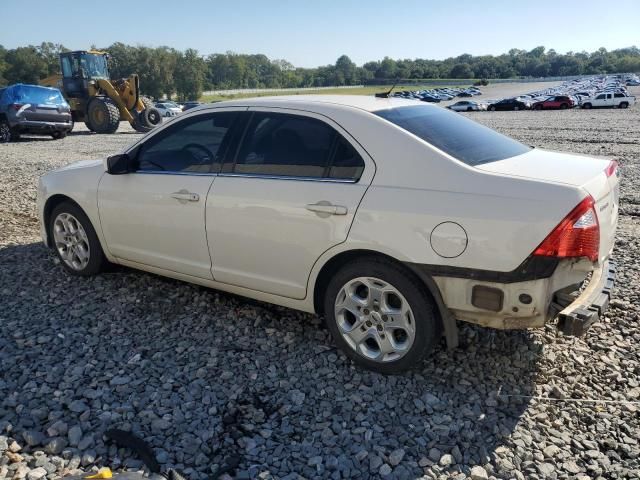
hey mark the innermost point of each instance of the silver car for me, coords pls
(467, 106)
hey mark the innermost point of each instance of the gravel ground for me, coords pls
(211, 380)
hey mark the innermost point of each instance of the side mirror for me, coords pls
(119, 164)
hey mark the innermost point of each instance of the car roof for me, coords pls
(368, 103)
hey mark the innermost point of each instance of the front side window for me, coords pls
(460, 137)
(195, 144)
(600, 97)
(277, 144)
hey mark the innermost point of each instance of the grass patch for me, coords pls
(369, 90)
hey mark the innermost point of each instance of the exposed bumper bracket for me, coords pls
(591, 304)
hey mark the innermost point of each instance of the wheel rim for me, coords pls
(154, 118)
(375, 319)
(71, 241)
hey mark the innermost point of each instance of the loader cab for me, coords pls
(81, 67)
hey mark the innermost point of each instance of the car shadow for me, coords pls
(239, 383)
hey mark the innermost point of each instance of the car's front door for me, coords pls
(290, 193)
(156, 215)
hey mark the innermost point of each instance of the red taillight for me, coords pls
(578, 235)
(611, 168)
(16, 106)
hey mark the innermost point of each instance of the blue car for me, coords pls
(33, 109)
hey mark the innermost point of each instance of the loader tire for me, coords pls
(147, 119)
(103, 115)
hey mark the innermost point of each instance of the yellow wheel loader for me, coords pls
(96, 100)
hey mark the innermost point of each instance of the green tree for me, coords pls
(24, 65)
(189, 75)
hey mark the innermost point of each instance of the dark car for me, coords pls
(556, 101)
(508, 104)
(33, 109)
(188, 105)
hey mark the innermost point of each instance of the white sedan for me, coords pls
(168, 109)
(392, 218)
(467, 106)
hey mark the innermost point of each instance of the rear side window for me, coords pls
(284, 145)
(195, 145)
(463, 139)
(347, 163)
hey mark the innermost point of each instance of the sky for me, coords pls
(316, 32)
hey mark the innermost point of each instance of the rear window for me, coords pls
(463, 139)
(37, 95)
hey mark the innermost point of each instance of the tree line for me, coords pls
(167, 71)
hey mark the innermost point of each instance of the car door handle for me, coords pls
(327, 208)
(185, 196)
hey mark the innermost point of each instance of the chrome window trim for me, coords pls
(247, 175)
(286, 177)
(169, 172)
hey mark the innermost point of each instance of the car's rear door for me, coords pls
(156, 215)
(290, 193)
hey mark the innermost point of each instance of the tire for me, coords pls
(492, 108)
(149, 118)
(469, 109)
(587, 106)
(516, 108)
(64, 232)
(623, 105)
(5, 132)
(409, 336)
(58, 135)
(563, 106)
(103, 115)
(538, 107)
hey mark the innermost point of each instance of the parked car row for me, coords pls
(169, 108)
(436, 95)
(586, 92)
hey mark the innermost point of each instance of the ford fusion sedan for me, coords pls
(392, 218)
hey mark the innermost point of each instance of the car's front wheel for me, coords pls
(380, 315)
(75, 240)
(5, 132)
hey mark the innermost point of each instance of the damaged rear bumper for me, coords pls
(590, 305)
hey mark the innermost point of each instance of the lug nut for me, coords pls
(385, 318)
(368, 323)
(366, 311)
(380, 328)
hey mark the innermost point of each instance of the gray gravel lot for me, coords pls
(210, 379)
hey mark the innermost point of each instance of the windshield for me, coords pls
(463, 139)
(37, 95)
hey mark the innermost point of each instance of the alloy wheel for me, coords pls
(71, 241)
(375, 319)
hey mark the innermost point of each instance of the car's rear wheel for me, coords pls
(5, 132)
(58, 135)
(380, 316)
(75, 240)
